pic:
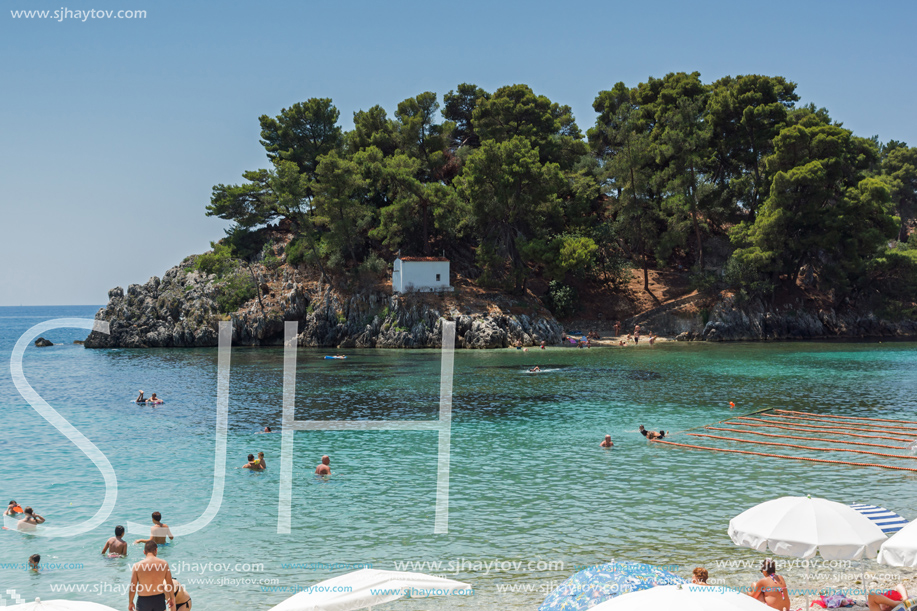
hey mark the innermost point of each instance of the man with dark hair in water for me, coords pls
(116, 546)
(30, 521)
(158, 531)
(151, 581)
(651, 435)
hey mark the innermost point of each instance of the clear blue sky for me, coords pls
(112, 132)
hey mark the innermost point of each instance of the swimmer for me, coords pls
(34, 562)
(13, 510)
(158, 531)
(30, 522)
(653, 339)
(267, 429)
(116, 546)
(260, 462)
(140, 399)
(535, 369)
(651, 435)
(154, 399)
(325, 467)
(607, 443)
(252, 463)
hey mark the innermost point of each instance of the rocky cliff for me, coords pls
(181, 310)
(758, 321)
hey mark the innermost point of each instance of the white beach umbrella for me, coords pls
(369, 587)
(901, 548)
(685, 597)
(59, 605)
(800, 527)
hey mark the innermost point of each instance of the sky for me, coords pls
(114, 131)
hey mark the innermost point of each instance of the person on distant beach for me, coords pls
(542, 344)
(149, 579)
(651, 435)
(617, 328)
(887, 601)
(251, 464)
(30, 522)
(606, 443)
(653, 339)
(700, 576)
(116, 546)
(622, 343)
(325, 467)
(13, 510)
(771, 589)
(182, 598)
(158, 531)
(34, 562)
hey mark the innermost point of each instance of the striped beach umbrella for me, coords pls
(888, 521)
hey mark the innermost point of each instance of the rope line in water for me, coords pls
(845, 425)
(853, 443)
(822, 429)
(703, 426)
(833, 432)
(821, 460)
(793, 445)
(787, 411)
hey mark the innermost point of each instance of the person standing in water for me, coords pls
(325, 467)
(30, 522)
(158, 531)
(606, 443)
(116, 546)
(151, 581)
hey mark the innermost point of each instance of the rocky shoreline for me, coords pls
(181, 310)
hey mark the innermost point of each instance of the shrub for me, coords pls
(561, 299)
(298, 252)
(218, 261)
(373, 265)
(235, 291)
(270, 260)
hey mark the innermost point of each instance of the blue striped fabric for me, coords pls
(888, 521)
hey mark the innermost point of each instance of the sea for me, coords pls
(532, 498)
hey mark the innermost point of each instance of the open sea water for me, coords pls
(533, 498)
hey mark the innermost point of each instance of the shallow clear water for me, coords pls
(530, 488)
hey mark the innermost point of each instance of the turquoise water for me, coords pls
(530, 488)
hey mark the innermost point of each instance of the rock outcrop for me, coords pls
(181, 310)
(43, 343)
(757, 321)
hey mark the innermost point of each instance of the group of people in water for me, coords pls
(650, 435)
(260, 464)
(26, 519)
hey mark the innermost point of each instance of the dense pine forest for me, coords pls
(732, 182)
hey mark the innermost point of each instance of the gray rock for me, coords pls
(43, 343)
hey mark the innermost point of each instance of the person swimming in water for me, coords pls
(325, 467)
(252, 464)
(260, 463)
(34, 562)
(535, 369)
(13, 510)
(606, 443)
(141, 398)
(116, 546)
(651, 435)
(154, 399)
(267, 429)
